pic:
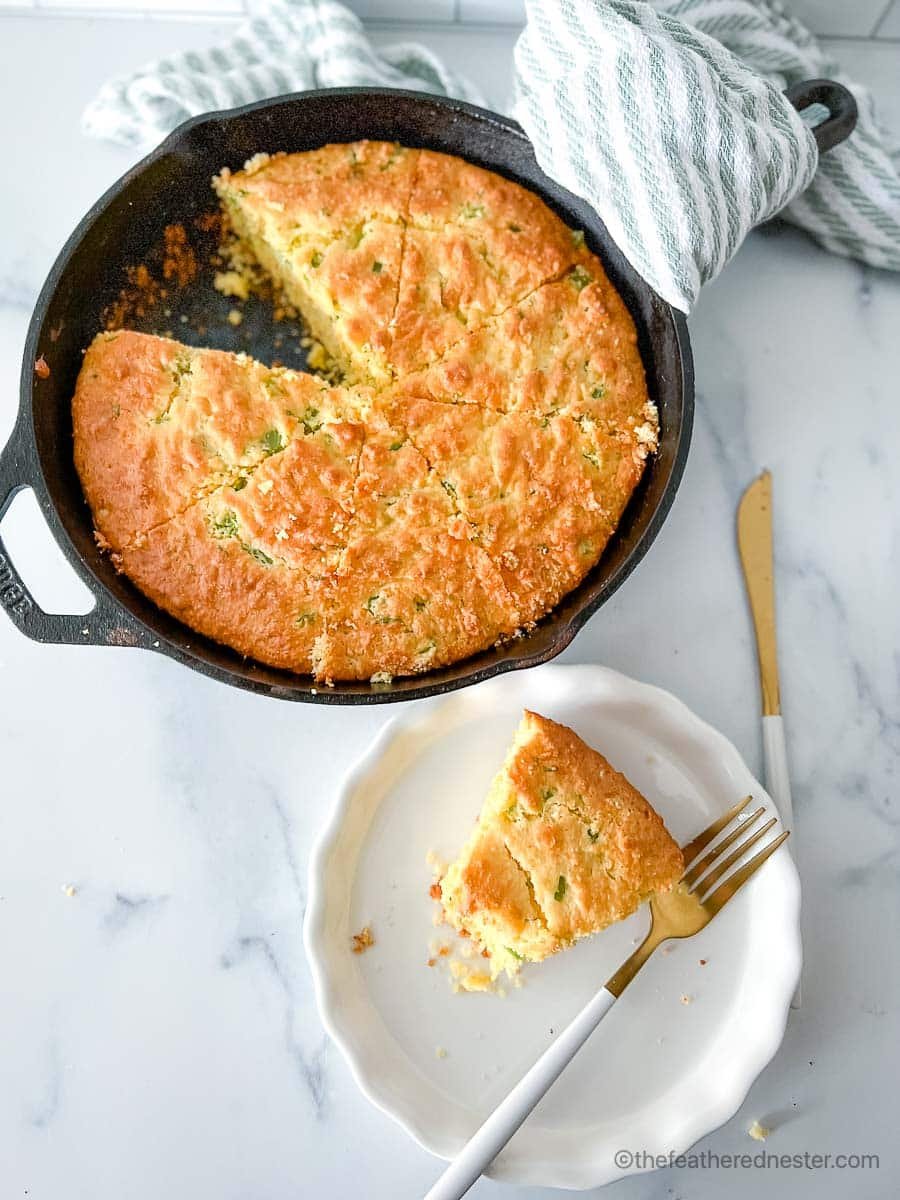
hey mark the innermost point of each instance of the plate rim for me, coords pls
(595, 1169)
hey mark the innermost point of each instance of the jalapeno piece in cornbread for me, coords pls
(564, 846)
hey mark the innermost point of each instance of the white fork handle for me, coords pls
(484, 1146)
(778, 783)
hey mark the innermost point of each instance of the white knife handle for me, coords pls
(484, 1146)
(778, 782)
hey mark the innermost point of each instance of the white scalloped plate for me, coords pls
(658, 1074)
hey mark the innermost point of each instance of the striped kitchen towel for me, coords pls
(670, 120)
(667, 117)
(290, 46)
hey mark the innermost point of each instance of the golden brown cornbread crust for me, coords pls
(492, 423)
(563, 847)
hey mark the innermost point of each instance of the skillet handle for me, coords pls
(23, 610)
(841, 105)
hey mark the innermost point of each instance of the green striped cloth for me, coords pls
(667, 117)
(670, 120)
(290, 46)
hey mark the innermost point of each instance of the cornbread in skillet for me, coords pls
(490, 427)
(564, 846)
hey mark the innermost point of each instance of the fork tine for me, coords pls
(702, 840)
(691, 876)
(724, 892)
(721, 869)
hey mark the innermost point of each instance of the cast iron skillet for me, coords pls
(173, 185)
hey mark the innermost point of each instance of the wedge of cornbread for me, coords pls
(564, 846)
(327, 225)
(412, 586)
(158, 425)
(569, 347)
(540, 495)
(252, 563)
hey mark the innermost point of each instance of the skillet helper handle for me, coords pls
(841, 105)
(16, 473)
(484, 1146)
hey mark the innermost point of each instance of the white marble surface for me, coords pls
(159, 1037)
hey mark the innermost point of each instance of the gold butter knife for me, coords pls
(754, 531)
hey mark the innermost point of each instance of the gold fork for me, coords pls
(702, 892)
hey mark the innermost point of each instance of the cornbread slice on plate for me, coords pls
(158, 424)
(564, 846)
(540, 495)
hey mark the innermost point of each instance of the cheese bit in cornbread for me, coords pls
(564, 846)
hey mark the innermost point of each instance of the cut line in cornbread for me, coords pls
(564, 846)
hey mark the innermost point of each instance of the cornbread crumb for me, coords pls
(759, 1132)
(363, 940)
(232, 283)
(254, 163)
(440, 1052)
(42, 368)
(686, 999)
(466, 980)
(70, 890)
(235, 317)
(317, 358)
(381, 677)
(437, 864)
